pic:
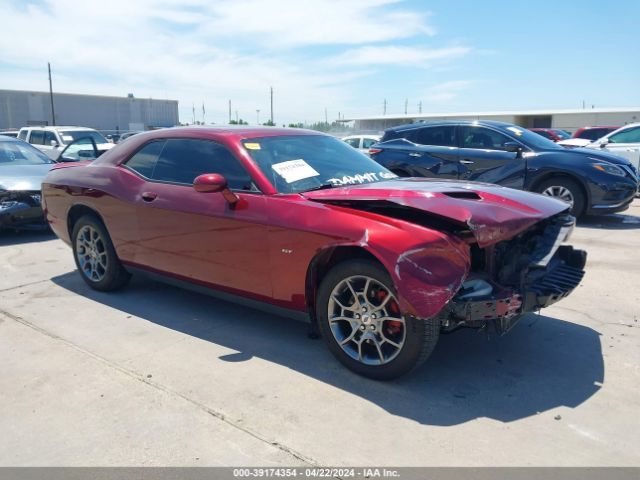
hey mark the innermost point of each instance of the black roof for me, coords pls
(422, 123)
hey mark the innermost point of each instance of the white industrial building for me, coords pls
(569, 120)
(19, 108)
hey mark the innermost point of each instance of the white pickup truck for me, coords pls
(52, 140)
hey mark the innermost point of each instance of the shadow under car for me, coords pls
(543, 363)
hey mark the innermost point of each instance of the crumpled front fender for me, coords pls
(428, 276)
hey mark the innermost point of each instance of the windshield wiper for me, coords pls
(323, 186)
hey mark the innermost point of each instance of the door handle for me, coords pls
(149, 196)
(413, 154)
(467, 162)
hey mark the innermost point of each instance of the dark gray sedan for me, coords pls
(22, 168)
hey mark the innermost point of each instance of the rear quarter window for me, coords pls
(144, 160)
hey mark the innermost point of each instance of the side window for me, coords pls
(48, 136)
(483, 138)
(631, 135)
(37, 137)
(144, 160)
(354, 142)
(367, 142)
(23, 135)
(438, 136)
(182, 160)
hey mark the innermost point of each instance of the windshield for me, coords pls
(69, 136)
(532, 139)
(19, 153)
(298, 163)
(562, 134)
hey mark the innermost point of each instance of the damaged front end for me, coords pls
(526, 273)
(21, 210)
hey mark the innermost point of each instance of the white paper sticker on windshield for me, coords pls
(67, 138)
(294, 170)
(515, 130)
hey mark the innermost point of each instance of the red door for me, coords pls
(199, 236)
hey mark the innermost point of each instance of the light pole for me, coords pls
(53, 113)
(258, 115)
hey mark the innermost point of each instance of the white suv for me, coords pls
(52, 140)
(624, 142)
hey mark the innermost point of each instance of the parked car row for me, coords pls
(27, 156)
(380, 264)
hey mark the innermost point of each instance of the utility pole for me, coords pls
(406, 105)
(271, 99)
(384, 107)
(420, 106)
(229, 111)
(257, 116)
(326, 117)
(53, 112)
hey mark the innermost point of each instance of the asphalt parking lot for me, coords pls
(154, 375)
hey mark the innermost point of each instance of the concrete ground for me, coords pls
(154, 375)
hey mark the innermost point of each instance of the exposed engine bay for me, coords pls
(531, 271)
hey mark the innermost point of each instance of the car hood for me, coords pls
(601, 155)
(492, 213)
(23, 177)
(574, 142)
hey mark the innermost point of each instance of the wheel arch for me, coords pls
(326, 259)
(77, 211)
(562, 174)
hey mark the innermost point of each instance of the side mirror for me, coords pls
(604, 142)
(54, 144)
(513, 147)
(213, 183)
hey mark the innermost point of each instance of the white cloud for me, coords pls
(317, 22)
(211, 51)
(397, 55)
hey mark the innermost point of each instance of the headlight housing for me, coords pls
(609, 168)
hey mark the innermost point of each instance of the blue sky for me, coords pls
(346, 56)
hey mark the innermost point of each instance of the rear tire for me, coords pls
(366, 333)
(95, 257)
(564, 189)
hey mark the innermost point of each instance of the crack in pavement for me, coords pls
(2, 290)
(132, 374)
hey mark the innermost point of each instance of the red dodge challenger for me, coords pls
(303, 224)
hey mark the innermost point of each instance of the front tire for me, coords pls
(95, 257)
(564, 189)
(360, 320)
